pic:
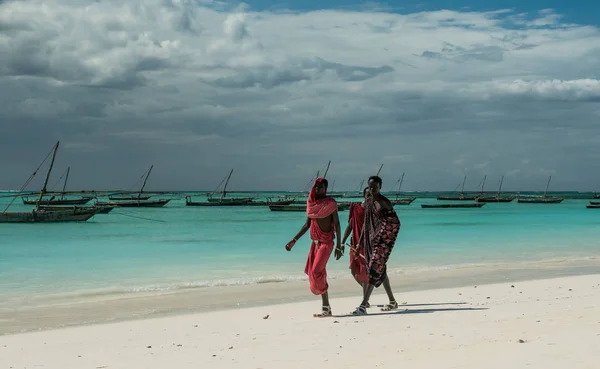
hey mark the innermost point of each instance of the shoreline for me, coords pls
(540, 324)
(148, 305)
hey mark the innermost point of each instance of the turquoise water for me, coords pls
(179, 247)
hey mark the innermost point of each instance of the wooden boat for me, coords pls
(60, 201)
(404, 201)
(137, 202)
(53, 201)
(43, 216)
(272, 202)
(444, 206)
(100, 209)
(594, 202)
(46, 216)
(593, 206)
(134, 204)
(222, 200)
(126, 198)
(541, 199)
(226, 202)
(401, 200)
(497, 198)
(461, 196)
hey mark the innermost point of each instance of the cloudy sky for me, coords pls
(275, 90)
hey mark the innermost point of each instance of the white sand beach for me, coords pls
(550, 323)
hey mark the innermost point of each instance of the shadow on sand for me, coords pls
(402, 310)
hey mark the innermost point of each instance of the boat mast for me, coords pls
(43, 191)
(547, 185)
(483, 184)
(65, 185)
(462, 189)
(226, 182)
(360, 187)
(144, 184)
(500, 187)
(379, 170)
(332, 186)
(401, 180)
(327, 170)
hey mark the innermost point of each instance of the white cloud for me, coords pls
(202, 86)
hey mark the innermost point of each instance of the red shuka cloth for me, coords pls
(322, 242)
(357, 262)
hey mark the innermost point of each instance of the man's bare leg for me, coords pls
(326, 308)
(362, 309)
(364, 287)
(388, 289)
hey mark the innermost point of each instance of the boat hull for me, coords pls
(456, 198)
(44, 216)
(128, 198)
(82, 201)
(541, 200)
(406, 201)
(135, 204)
(100, 209)
(226, 200)
(494, 199)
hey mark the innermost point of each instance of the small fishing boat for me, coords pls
(401, 200)
(225, 202)
(39, 215)
(128, 198)
(497, 198)
(461, 196)
(133, 204)
(222, 200)
(100, 209)
(545, 199)
(593, 206)
(138, 202)
(61, 200)
(444, 206)
(283, 201)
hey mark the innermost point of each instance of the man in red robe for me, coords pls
(323, 221)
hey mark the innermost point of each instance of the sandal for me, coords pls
(361, 310)
(326, 313)
(393, 305)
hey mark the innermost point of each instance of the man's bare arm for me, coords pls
(301, 233)
(348, 230)
(339, 250)
(303, 230)
(347, 233)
